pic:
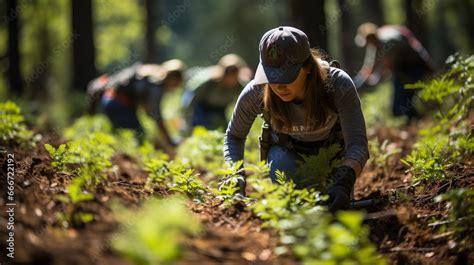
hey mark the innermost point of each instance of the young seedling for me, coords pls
(12, 125)
(155, 233)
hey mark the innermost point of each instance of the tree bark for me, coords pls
(309, 16)
(13, 52)
(414, 19)
(375, 12)
(84, 68)
(152, 50)
(347, 38)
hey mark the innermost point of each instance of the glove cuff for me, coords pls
(344, 176)
(348, 173)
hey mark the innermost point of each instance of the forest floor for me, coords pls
(401, 229)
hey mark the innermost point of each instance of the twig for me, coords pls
(443, 235)
(378, 215)
(227, 220)
(400, 249)
(440, 223)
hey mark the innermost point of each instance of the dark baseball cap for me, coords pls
(283, 51)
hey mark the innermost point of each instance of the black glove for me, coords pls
(241, 184)
(339, 193)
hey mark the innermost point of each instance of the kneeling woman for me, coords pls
(308, 104)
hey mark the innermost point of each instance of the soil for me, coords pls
(400, 229)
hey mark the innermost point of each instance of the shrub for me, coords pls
(12, 124)
(154, 234)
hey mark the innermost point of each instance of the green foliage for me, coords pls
(190, 185)
(76, 190)
(383, 154)
(125, 140)
(88, 158)
(118, 28)
(314, 170)
(203, 150)
(76, 219)
(259, 170)
(314, 235)
(163, 172)
(157, 172)
(12, 124)
(154, 234)
(450, 140)
(93, 155)
(86, 125)
(227, 192)
(58, 156)
(430, 160)
(460, 203)
(175, 176)
(317, 239)
(228, 184)
(277, 202)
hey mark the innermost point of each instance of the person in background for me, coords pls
(308, 105)
(139, 85)
(393, 50)
(212, 89)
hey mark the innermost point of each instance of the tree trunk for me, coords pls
(84, 68)
(375, 12)
(152, 50)
(414, 19)
(347, 38)
(309, 16)
(467, 20)
(13, 52)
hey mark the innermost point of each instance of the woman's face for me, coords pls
(293, 91)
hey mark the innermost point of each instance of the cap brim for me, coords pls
(285, 74)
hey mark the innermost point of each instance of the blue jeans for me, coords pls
(403, 99)
(122, 117)
(284, 159)
(280, 158)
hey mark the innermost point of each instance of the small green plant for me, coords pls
(87, 158)
(125, 140)
(449, 141)
(190, 185)
(259, 170)
(460, 204)
(157, 172)
(276, 202)
(175, 176)
(383, 154)
(155, 233)
(203, 150)
(12, 124)
(313, 170)
(316, 239)
(228, 184)
(70, 216)
(86, 125)
(430, 160)
(314, 235)
(58, 155)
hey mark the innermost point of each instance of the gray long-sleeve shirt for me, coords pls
(349, 112)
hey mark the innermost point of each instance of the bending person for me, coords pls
(308, 104)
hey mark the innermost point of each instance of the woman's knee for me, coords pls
(282, 159)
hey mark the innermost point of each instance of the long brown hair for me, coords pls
(317, 103)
